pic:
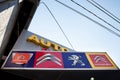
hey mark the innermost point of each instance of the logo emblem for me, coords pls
(76, 59)
(48, 57)
(21, 58)
(100, 59)
(48, 60)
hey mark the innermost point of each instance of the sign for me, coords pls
(41, 42)
(21, 58)
(30, 41)
(75, 60)
(100, 60)
(48, 60)
(58, 60)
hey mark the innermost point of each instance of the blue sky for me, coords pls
(84, 35)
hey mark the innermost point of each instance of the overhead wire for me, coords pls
(58, 24)
(95, 15)
(97, 5)
(111, 31)
(58, 78)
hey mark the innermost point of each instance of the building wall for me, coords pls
(8, 13)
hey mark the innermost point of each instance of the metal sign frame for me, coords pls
(66, 54)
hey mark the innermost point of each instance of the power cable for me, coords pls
(62, 32)
(58, 25)
(113, 32)
(104, 10)
(95, 15)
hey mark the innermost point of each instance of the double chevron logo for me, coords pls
(48, 60)
(100, 59)
(48, 57)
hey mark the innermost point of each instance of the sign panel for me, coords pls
(20, 59)
(48, 60)
(58, 60)
(100, 60)
(75, 60)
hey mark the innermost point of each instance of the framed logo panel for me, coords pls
(75, 60)
(100, 60)
(48, 60)
(20, 59)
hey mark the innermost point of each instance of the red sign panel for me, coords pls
(100, 60)
(20, 58)
(48, 60)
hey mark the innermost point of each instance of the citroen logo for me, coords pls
(21, 58)
(99, 59)
(48, 57)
